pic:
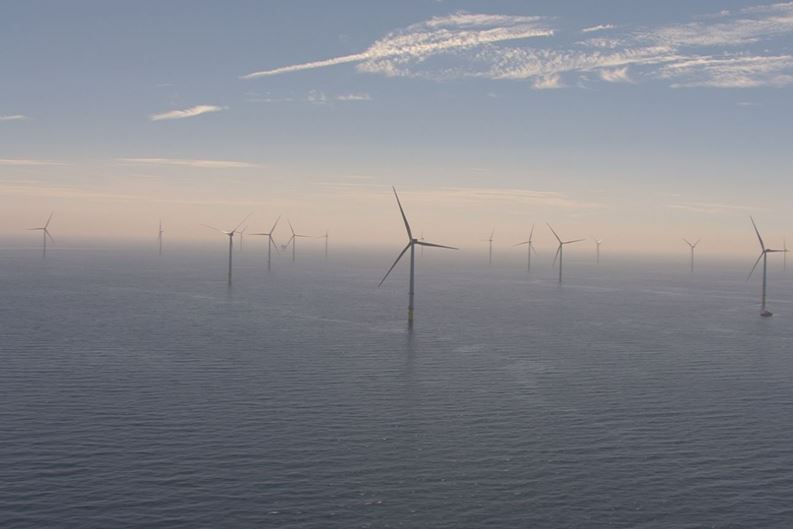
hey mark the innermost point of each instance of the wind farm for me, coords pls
(619, 356)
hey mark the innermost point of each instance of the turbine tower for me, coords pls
(159, 237)
(530, 245)
(292, 240)
(270, 242)
(411, 245)
(560, 249)
(45, 233)
(692, 246)
(598, 242)
(764, 256)
(230, 235)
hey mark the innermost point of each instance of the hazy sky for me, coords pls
(638, 122)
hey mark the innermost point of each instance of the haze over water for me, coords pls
(139, 392)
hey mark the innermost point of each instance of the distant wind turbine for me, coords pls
(490, 242)
(230, 235)
(159, 237)
(598, 242)
(294, 238)
(45, 233)
(692, 246)
(241, 233)
(530, 246)
(270, 242)
(411, 245)
(326, 242)
(559, 250)
(764, 256)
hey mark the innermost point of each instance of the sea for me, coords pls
(139, 391)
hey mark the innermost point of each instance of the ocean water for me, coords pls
(142, 392)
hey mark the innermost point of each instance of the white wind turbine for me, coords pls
(241, 233)
(230, 235)
(270, 242)
(692, 246)
(559, 250)
(45, 233)
(490, 242)
(530, 245)
(598, 242)
(411, 245)
(292, 240)
(764, 256)
(326, 242)
(159, 237)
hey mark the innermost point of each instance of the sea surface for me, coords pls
(138, 391)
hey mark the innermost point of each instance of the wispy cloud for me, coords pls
(438, 35)
(600, 27)
(181, 162)
(315, 97)
(19, 162)
(709, 207)
(736, 49)
(13, 117)
(361, 96)
(186, 113)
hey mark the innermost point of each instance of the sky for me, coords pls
(636, 122)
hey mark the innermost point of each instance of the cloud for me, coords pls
(180, 162)
(601, 27)
(186, 113)
(743, 48)
(709, 207)
(18, 162)
(13, 117)
(438, 35)
(362, 96)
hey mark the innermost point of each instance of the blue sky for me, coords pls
(674, 114)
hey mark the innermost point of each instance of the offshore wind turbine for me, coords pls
(598, 242)
(411, 245)
(230, 235)
(764, 256)
(292, 240)
(692, 246)
(559, 250)
(326, 242)
(45, 233)
(241, 233)
(530, 245)
(159, 237)
(270, 241)
(490, 254)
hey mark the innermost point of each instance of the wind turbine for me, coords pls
(292, 240)
(270, 241)
(692, 246)
(490, 241)
(44, 234)
(559, 250)
(159, 237)
(764, 256)
(326, 242)
(421, 238)
(411, 245)
(230, 235)
(598, 242)
(241, 233)
(530, 245)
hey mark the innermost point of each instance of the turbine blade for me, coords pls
(762, 244)
(571, 242)
(554, 234)
(275, 224)
(47, 233)
(531, 233)
(755, 265)
(404, 217)
(240, 224)
(291, 228)
(520, 244)
(422, 243)
(214, 228)
(556, 256)
(696, 243)
(46, 224)
(395, 263)
(687, 242)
